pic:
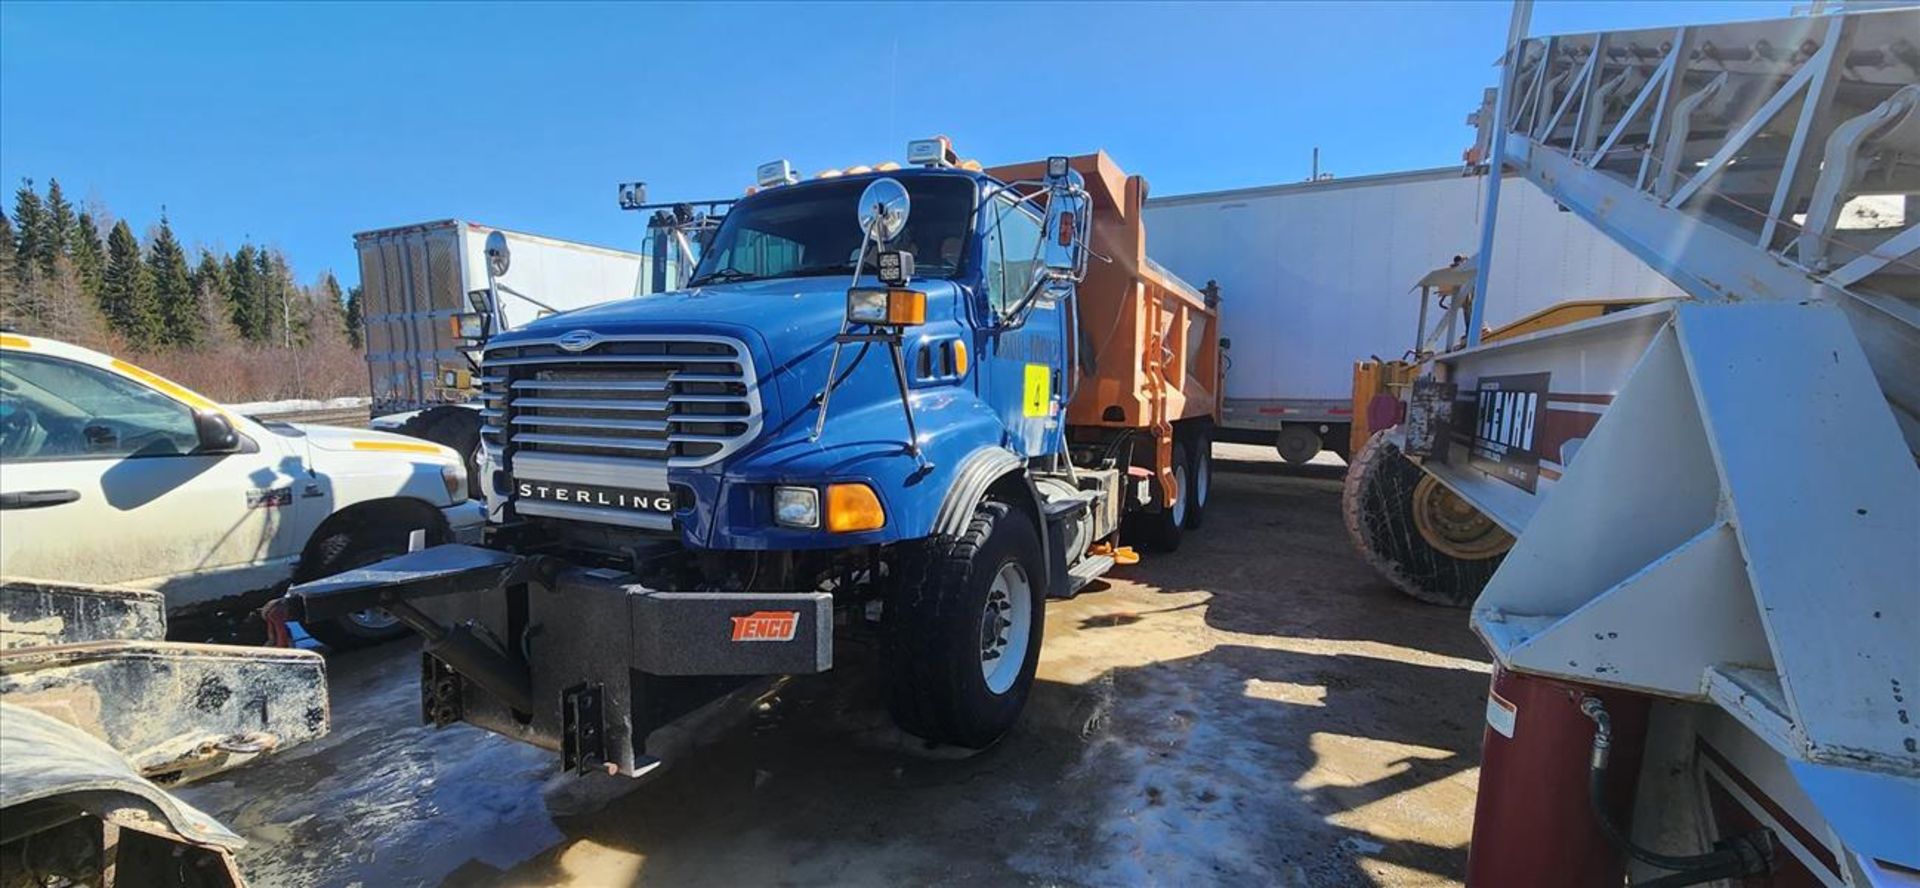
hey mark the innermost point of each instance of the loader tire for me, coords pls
(342, 550)
(981, 594)
(1161, 528)
(1377, 505)
(453, 427)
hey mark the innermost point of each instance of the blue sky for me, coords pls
(298, 125)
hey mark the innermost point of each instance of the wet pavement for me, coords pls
(1257, 708)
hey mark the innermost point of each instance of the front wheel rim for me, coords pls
(1203, 480)
(1006, 624)
(373, 619)
(1453, 526)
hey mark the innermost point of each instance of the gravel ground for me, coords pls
(1258, 708)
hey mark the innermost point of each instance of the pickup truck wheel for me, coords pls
(964, 634)
(343, 551)
(1381, 503)
(457, 428)
(1161, 529)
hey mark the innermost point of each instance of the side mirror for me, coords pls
(215, 431)
(1064, 247)
(499, 258)
(883, 210)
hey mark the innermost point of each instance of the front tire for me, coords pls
(963, 635)
(343, 550)
(1378, 505)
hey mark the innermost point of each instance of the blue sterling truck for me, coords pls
(905, 402)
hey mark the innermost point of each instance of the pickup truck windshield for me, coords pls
(812, 229)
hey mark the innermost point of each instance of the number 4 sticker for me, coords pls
(1039, 391)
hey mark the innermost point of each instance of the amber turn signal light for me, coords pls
(852, 507)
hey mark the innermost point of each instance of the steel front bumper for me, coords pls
(585, 662)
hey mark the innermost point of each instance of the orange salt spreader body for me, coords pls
(1154, 339)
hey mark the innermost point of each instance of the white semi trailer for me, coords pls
(1319, 274)
(417, 280)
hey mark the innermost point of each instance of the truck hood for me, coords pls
(787, 323)
(335, 438)
(775, 309)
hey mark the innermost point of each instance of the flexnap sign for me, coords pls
(1505, 416)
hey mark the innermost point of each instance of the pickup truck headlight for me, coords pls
(454, 475)
(796, 506)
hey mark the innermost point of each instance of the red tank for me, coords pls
(1532, 824)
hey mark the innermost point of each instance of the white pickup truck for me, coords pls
(110, 474)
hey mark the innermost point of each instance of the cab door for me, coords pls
(1022, 378)
(102, 481)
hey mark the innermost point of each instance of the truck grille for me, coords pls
(656, 401)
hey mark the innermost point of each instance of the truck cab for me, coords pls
(854, 415)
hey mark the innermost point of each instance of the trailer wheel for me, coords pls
(457, 428)
(1161, 529)
(357, 546)
(1199, 475)
(963, 635)
(1298, 444)
(1383, 490)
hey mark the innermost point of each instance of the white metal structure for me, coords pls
(1317, 274)
(1737, 535)
(415, 278)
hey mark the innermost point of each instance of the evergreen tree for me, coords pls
(172, 286)
(9, 284)
(30, 230)
(65, 313)
(89, 256)
(333, 306)
(354, 318)
(59, 228)
(210, 294)
(276, 299)
(126, 295)
(243, 294)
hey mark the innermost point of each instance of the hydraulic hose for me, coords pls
(1743, 855)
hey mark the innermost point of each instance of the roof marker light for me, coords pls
(778, 172)
(934, 152)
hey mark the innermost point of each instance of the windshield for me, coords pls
(812, 229)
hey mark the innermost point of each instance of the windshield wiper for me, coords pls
(817, 270)
(724, 275)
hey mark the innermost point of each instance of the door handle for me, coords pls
(37, 499)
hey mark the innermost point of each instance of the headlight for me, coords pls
(796, 506)
(454, 475)
(891, 307)
(867, 306)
